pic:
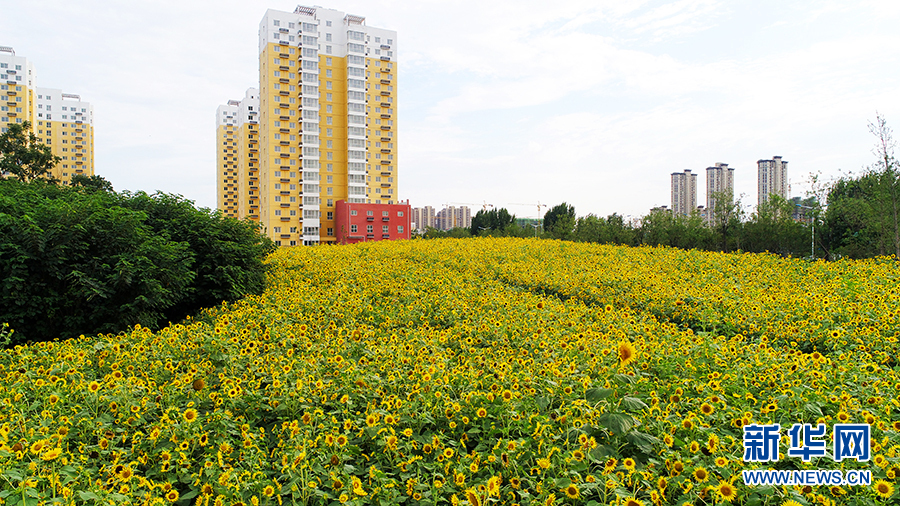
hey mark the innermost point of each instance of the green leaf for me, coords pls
(88, 496)
(633, 403)
(595, 395)
(619, 423)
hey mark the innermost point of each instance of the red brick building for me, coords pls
(371, 222)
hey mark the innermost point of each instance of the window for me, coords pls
(329, 179)
(399, 214)
(370, 229)
(327, 37)
(385, 229)
(330, 203)
(327, 23)
(329, 215)
(390, 41)
(330, 231)
(328, 61)
(399, 229)
(353, 229)
(370, 213)
(385, 213)
(328, 73)
(353, 212)
(378, 40)
(328, 49)
(277, 230)
(276, 23)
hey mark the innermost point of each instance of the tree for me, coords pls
(885, 183)
(863, 216)
(725, 219)
(556, 212)
(21, 154)
(76, 261)
(559, 222)
(92, 183)
(490, 222)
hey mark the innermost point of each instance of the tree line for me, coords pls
(84, 259)
(855, 216)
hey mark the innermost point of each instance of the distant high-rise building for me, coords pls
(719, 180)
(237, 147)
(60, 120)
(454, 217)
(423, 217)
(684, 192)
(773, 179)
(327, 126)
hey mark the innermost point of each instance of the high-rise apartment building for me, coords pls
(684, 193)
(237, 150)
(719, 181)
(773, 179)
(60, 120)
(423, 217)
(453, 217)
(327, 126)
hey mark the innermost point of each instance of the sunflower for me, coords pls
(707, 409)
(629, 463)
(701, 474)
(472, 497)
(481, 413)
(626, 353)
(727, 491)
(51, 454)
(571, 491)
(884, 489)
(93, 387)
(631, 501)
(269, 491)
(172, 495)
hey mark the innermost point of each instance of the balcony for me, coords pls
(385, 218)
(370, 218)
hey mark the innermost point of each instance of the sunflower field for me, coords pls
(469, 372)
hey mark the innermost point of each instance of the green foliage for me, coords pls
(773, 228)
(610, 230)
(491, 222)
(559, 222)
(863, 217)
(23, 156)
(91, 183)
(77, 261)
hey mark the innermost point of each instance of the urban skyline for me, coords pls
(59, 120)
(601, 82)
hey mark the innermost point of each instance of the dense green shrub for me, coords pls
(84, 260)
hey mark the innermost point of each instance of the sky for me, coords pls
(509, 103)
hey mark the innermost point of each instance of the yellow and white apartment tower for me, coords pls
(684, 193)
(60, 120)
(237, 153)
(773, 179)
(328, 124)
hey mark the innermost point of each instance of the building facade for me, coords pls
(60, 120)
(684, 192)
(237, 153)
(423, 217)
(327, 127)
(453, 217)
(363, 222)
(719, 181)
(773, 179)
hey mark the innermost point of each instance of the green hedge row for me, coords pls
(84, 260)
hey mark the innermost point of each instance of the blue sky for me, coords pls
(504, 102)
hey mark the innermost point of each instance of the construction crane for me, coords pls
(539, 206)
(484, 206)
